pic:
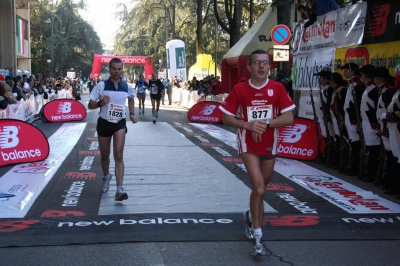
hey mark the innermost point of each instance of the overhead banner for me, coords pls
(300, 140)
(63, 110)
(350, 25)
(382, 22)
(21, 142)
(343, 27)
(205, 112)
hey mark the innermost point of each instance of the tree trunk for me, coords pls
(199, 31)
(173, 20)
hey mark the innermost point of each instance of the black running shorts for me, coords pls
(107, 129)
(155, 96)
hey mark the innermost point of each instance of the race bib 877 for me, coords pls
(259, 112)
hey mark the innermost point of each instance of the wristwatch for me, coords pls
(268, 121)
(132, 113)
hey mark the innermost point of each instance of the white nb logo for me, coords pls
(207, 110)
(64, 107)
(8, 137)
(293, 134)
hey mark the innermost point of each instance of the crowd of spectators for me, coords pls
(21, 87)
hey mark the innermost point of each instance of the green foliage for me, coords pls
(59, 33)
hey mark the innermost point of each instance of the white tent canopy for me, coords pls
(257, 37)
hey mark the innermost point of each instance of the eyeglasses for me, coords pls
(259, 63)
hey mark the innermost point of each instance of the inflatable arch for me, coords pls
(100, 60)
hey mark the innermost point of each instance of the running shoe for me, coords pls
(143, 111)
(156, 114)
(120, 196)
(249, 226)
(140, 112)
(258, 249)
(106, 183)
(154, 121)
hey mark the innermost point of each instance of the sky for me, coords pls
(100, 13)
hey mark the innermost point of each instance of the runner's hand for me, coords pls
(256, 137)
(133, 118)
(106, 99)
(258, 126)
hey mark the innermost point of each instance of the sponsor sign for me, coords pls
(63, 110)
(26, 181)
(346, 196)
(379, 55)
(306, 65)
(300, 140)
(205, 112)
(21, 142)
(343, 27)
(350, 24)
(382, 21)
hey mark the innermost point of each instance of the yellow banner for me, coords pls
(379, 55)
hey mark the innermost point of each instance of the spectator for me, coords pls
(169, 91)
(17, 88)
(9, 83)
(318, 8)
(3, 98)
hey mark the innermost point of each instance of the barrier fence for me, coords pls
(187, 99)
(27, 110)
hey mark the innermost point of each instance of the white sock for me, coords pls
(120, 189)
(154, 118)
(257, 234)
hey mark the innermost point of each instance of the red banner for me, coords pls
(63, 110)
(205, 112)
(21, 142)
(300, 140)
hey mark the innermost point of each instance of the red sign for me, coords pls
(21, 142)
(63, 110)
(205, 112)
(280, 34)
(300, 141)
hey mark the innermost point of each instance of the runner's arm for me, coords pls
(258, 126)
(131, 108)
(284, 119)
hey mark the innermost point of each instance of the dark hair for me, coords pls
(2, 89)
(258, 51)
(115, 60)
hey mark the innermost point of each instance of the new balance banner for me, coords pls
(382, 22)
(205, 112)
(300, 140)
(63, 110)
(21, 142)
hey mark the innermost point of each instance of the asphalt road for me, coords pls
(299, 253)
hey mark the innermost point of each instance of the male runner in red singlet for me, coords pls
(263, 106)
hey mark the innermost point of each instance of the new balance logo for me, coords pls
(208, 109)
(64, 107)
(378, 21)
(292, 134)
(8, 137)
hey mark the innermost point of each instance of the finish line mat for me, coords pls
(186, 183)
